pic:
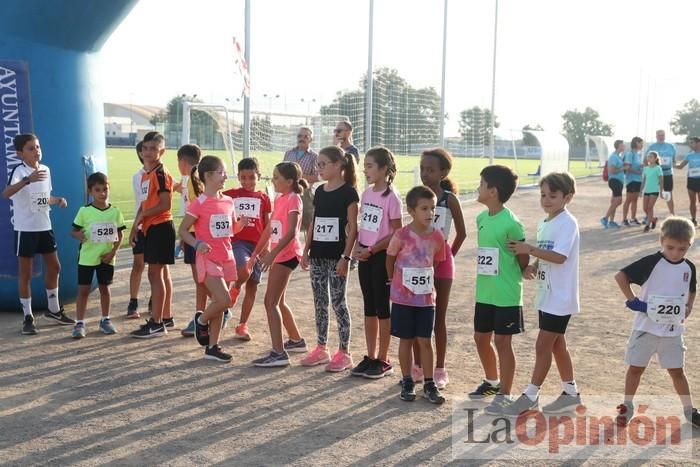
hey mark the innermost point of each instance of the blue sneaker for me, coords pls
(227, 317)
(107, 327)
(79, 331)
(604, 222)
(644, 221)
(272, 359)
(295, 347)
(189, 330)
(613, 225)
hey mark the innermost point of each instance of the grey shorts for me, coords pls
(670, 351)
(242, 250)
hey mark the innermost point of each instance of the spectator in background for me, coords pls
(307, 159)
(667, 155)
(343, 138)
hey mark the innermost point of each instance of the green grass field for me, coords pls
(123, 163)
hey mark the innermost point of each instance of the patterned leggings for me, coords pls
(322, 275)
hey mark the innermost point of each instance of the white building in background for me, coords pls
(125, 123)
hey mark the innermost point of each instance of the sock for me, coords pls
(427, 380)
(532, 392)
(52, 296)
(199, 321)
(134, 300)
(492, 382)
(26, 306)
(570, 387)
(80, 321)
(104, 318)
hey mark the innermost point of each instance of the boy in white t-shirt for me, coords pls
(29, 188)
(556, 275)
(665, 300)
(138, 265)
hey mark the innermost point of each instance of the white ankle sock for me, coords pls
(26, 306)
(570, 387)
(52, 296)
(532, 392)
(493, 382)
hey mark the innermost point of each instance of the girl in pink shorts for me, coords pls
(214, 218)
(435, 166)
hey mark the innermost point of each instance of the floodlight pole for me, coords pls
(368, 91)
(493, 88)
(442, 86)
(185, 131)
(246, 98)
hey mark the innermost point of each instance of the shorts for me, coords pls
(206, 267)
(446, 269)
(408, 321)
(670, 351)
(656, 193)
(290, 263)
(28, 244)
(242, 251)
(668, 183)
(190, 253)
(498, 319)
(694, 184)
(634, 187)
(140, 243)
(160, 244)
(375, 291)
(553, 323)
(616, 186)
(104, 271)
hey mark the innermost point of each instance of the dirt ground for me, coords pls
(115, 400)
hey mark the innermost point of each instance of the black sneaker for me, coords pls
(215, 353)
(132, 311)
(60, 317)
(483, 390)
(201, 332)
(564, 403)
(150, 329)
(28, 328)
(693, 417)
(520, 405)
(169, 322)
(408, 390)
(432, 393)
(379, 369)
(625, 412)
(361, 367)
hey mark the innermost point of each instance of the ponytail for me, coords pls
(292, 171)
(197, 184)
(299, 186)
(449, 185)
(350, 170)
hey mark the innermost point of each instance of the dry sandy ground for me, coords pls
(115, 400)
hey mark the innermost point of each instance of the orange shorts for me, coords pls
(206, 267)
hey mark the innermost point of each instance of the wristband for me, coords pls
(345, 257)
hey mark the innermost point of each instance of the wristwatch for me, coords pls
(345, 257)
(26, 180)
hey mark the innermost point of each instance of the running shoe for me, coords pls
(79, 331)
(625, 412)
(215, 353)
(644, 221)
(604, 222)
(201, 331)
(341, 361)
(408, 390)
(441, 378)
(379, 369)
(169, 322)
(150, 329)
(189, 330)
(693, 417)
(242, 332)
(613, 225)
(132, 311)
(483, 390)
(28, 327)
(432, 393)
(647, 228)
(272, 359)
(635, 221)
(626, 223)
(361, 367)
(317, 356)
(498, 404)
(60, 317)
(695, 222)
(521, 405)
(227, 318)
(653, 223)
(295, 347)
(107, 327)
(564, 403)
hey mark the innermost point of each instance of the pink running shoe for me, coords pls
(416, 373)
(441, 378)
(317, 356)
(341, 361)
(242, 332)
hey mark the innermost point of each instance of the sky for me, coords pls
(632, 61)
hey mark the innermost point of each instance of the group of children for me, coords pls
(405, 272)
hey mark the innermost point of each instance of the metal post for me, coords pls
(493, 87)
(246, 99)
(368, 91)
(185, 131)
(442, 86)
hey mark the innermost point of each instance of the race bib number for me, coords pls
(275, 231)
(440, 221)
(220, 226)
(103, 232)
(371, 218)
(543, 277)
(694, 172)
(39, 201)
(326, 229)
(666, 310)
(418, 280)
(145, 185)
(248, 207)
(666, 160)
(487, 261)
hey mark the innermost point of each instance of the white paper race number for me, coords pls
(694, 172)
(103, 232)
(543, 277)
(248, 207)
(220, 226)
(275, 231)
(371, 218)
(666, 310)
(487, 261)
(418, 280)
(440, 221)
(39, 201)
(326, 229)
(145, 185)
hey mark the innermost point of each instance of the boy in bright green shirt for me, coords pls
(99, 227)
(499, 292)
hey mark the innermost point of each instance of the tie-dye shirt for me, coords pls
(412, 284)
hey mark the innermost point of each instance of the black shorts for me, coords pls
(160, 244)
(634, 187)
(694, 184)
(615, 186)
(656, 193)
(28, 244)
(140, 243)
(190, 253)
(498, 319)
(290, 263)
(408, 322)
(553, 323)
(105, 274)
(375, 291)
(668, 183)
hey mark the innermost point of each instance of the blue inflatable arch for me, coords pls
(49, 85)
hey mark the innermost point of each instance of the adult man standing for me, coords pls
(343, 138)
(667, 154)
(307, 159)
